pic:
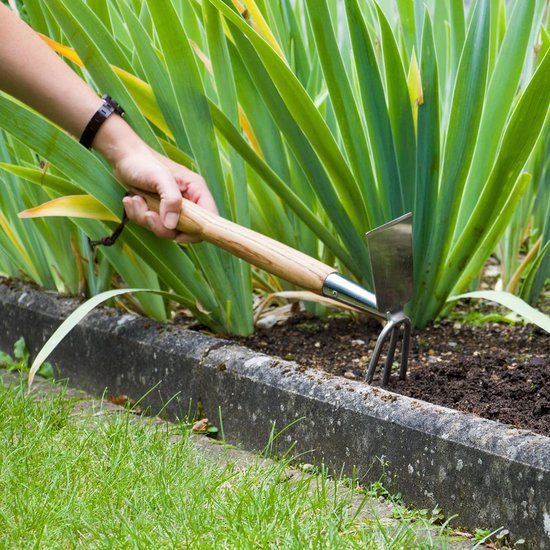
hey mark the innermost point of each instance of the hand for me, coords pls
(151, 171)
(135, 164)
(33, 73)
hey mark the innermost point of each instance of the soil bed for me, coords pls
(495, 370)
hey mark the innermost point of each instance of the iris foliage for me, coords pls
(314, 121)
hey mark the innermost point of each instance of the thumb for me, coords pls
(170, 201)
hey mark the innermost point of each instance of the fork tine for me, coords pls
(393, 326)
(378, 350)
(405, 349)
(391, 353)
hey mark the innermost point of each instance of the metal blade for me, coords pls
(390, 251)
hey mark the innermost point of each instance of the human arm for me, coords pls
(32, 72)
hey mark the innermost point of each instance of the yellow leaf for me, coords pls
(201, 308)
(14, 239)
(74, 206)
(202, 56)
(261, 26)
(239, 6)
(414, 83)
(143, 95)
(249, 132)
(65, 51)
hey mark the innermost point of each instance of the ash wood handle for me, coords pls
(257, 249)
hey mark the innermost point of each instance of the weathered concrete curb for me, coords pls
(489, 474)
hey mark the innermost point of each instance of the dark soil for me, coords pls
(495, 370)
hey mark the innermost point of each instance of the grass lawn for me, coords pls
(92, 476)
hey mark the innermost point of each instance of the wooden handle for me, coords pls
(257, 249)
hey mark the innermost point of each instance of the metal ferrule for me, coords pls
(339, 288)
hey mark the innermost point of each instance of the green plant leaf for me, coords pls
(47, 371)
(344, 103)
(492, 234)
(519, 139)
(72, 320)
(55, 183)
(99, 51)
(6, 360)
(516, 304)
(375, 111)
(190, 97)
(501, 92)
(427, 162)
(56, 146)
(286, 193)
(399, 110)
(536, 270)
(20, 351)
(302, 110)
(466, 108)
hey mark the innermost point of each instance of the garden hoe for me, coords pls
(390, 249)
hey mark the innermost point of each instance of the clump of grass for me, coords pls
(70, 478)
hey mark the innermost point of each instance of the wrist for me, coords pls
(116, 139)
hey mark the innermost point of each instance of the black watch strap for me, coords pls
(108, 107)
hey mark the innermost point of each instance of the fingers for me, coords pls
(183, 238)
(137, 210)
(144, 171)
(170, 201)
(171, 182)
(202, 197)
(192, 185)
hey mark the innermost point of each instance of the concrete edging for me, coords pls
(489, 474)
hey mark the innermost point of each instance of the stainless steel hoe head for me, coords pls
(390, 251)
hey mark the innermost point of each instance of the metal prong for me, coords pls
(391, 353)
(378, 350)
(405, 349)
(394, 326)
